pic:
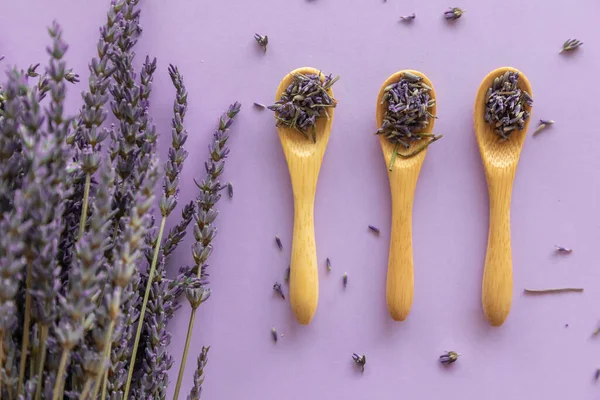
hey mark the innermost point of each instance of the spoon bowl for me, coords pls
(403, 178)
(304, 158)
(500, 160)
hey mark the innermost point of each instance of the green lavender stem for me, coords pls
(185, 353)
(26, 326)
(144, 304)
(84, 207)
(40, 372)
(60, 376)
(86, 389)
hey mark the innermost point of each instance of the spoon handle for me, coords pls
(400, 276)
(304, 279)
(496, 295)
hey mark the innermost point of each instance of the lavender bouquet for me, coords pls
(84, 297)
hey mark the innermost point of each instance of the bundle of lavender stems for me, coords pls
(85, 300)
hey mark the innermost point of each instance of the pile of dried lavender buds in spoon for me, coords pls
(507, 106)
(409, 101)
(305, 100)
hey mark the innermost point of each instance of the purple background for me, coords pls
(556, 193)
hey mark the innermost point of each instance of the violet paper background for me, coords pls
(555, 201)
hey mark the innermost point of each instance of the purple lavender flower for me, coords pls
(408, 18)
(199, 375)
(453, 13)
(204, 216)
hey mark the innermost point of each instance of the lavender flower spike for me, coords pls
(199, 375)
(453, 13)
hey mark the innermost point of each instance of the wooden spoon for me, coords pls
(304, 158)
(403, 182)
(500, 161)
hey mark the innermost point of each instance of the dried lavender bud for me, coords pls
(177, 153)
(570, 44)
(360, 361)
(287, 274)
(563, 250)
(31, 71)
(197, 296)
(374, 229)
(262, 41)
(230, 190)
(304, 101)
(408, 18)
(328, 263)
(453, 13)
(278, 242)
(407, 114)
(278, 289)
(597, 374)
(260, 106)
(345, 280)
(543, 124)
(507, 107)
(274, 335)
(196, 390)
(449, 357)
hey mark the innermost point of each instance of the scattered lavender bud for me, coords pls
(287, 274)
(328, 263)
(230, 190)
(278, 242)
(563, 250)
(449, 357)
(597, 374)
(260, 106)
(262, 41)
(596, 331)
(374, 229)
(304, 101)
(454, 13)
(570, 44)
(345, 280)
(360, 361)
(274, 335)
(407, 115)
(408, 18)
(543, 124)
(278, 289)
(507, 107)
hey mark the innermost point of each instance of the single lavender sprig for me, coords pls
(168, 202)
(50, 171)
(199, 375)
(570, 45)
(204, 217)
(453, 13)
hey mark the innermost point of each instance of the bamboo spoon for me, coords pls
(403, 182)
(304, 158)
(500, 161)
